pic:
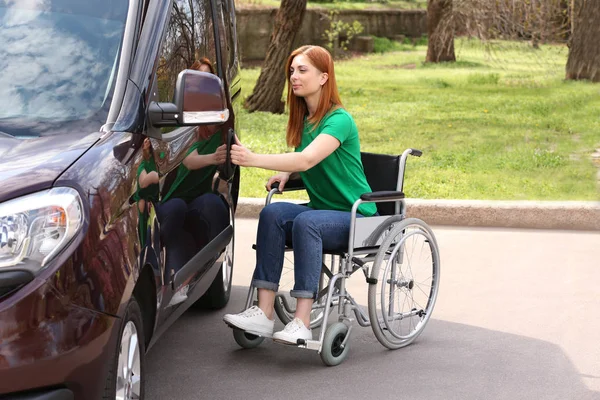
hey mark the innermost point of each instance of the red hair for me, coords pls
(330, 98)
(203, 61)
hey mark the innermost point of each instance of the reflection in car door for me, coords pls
(183, 194)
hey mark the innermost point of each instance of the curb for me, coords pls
(569, 215)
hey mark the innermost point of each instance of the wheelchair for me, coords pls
(398, 256)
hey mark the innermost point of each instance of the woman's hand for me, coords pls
(220, 155)
(281, 177)
(240, 155)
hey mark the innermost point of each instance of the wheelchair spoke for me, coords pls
(421, 290)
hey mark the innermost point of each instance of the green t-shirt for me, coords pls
(339, 180)
(190, 184)
(150, 192)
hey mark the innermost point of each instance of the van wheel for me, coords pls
(217, 295)
(126, 375)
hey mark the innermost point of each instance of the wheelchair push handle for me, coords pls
(405, 154)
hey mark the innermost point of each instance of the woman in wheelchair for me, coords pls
(327, 157)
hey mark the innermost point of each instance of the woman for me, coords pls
(327, 156)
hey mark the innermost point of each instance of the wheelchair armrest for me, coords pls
(386, 195)
(292, 184)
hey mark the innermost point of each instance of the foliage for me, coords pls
(340, 33)
(502, 127)
(344, 4)
(536, 20)
(385, 45)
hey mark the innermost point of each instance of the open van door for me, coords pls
(190, 126)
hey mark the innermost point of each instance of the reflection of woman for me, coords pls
(206, 213)
(194, 175)
(327, 156)
(169, 213)
(147, 188)
(203, 65)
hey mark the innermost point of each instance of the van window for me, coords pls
(58, 60)
(189, 39)
(226, 15)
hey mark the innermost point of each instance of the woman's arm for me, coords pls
(197, 161)
(317, 151)
(148, 178)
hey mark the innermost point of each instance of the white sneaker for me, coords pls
(292, 332)
(253, 321)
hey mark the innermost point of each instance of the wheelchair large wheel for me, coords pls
(285, 305)
(405, 281)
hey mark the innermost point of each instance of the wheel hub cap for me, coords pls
(128, 380)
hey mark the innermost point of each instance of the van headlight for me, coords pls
(34, 228)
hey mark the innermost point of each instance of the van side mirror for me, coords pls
(199, 99)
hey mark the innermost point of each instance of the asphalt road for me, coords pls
(516, 318)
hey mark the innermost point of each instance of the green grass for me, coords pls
(343, 5)
(494, 125)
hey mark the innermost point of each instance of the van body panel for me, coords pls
(28, 166)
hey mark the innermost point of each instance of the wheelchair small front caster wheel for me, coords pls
(332, 352)
(247, 340)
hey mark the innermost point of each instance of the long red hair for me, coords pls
(203, 61)
(330, 98)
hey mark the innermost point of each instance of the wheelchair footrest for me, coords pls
(309, 344)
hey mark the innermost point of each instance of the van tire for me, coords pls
(132, 319)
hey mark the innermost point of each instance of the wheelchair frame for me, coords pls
(385, 244)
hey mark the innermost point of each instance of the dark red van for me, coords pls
(117, 200)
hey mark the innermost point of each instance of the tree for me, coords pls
(269, 87)
(440, 28)
(539, 21)
(584, 52)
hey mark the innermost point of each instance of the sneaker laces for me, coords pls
(251, 312)
(294, 326)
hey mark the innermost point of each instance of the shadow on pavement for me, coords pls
(198, 358)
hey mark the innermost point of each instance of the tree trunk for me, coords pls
(269, 87)
(440, 28)
(584, 50)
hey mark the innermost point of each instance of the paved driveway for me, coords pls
(517, 317)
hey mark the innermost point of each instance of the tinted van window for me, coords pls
(58, 60)
(190, 37)
(228, 35)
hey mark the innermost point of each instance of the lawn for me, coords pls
(500, 124)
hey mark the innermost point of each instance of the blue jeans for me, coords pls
(309, 232)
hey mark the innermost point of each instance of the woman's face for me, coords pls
(305, 78)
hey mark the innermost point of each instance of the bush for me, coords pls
(385, 45)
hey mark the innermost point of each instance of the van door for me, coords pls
(194, 218)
